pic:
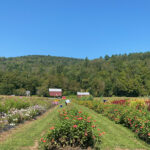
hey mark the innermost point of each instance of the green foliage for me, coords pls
(73, 129)
(8, 103)
(119, 75)
(83, 98)
(11, 103)
(20, 92)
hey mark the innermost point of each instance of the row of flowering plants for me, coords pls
(19, 109)
(15, 116)
(72, 129)
(132, 114)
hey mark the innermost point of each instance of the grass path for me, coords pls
(26, 136)
(117, 137)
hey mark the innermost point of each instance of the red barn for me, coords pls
(81, 94)
(55, 92)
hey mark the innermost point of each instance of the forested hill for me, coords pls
(120, 75)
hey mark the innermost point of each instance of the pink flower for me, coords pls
(75, 126)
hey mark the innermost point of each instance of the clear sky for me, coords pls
(74, 28)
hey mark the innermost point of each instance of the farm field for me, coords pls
(40, 133)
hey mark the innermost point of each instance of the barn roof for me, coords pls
(55, 90)
(83, 93)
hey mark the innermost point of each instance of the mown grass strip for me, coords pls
(116, 135)
(26, 135)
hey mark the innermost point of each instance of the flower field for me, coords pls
(73, 128)
(133, 114)
(15, 110)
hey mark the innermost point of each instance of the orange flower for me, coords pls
(148, 134)
(79, 112)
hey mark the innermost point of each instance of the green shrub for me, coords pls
(20, 92)
(73, 129)
(86, 98)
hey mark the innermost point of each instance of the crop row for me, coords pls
(133, 114)
(19, 109)
(73, 128)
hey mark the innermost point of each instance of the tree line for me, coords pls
(118, 75)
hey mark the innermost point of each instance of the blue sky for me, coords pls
(74, 28)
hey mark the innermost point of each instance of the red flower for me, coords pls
(98, 129)
(93, 126)
(44, 141)
(75, 126)
(66, 118)
(52, 128)
(80, 118)
(136, 131)
(79, 112)
(100, 134)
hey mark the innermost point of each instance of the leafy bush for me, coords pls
(86, 98)
(20, 92)
(73, 129)
(18, 104)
